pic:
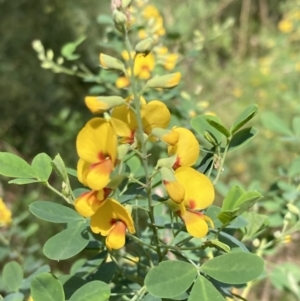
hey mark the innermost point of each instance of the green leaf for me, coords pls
(41, 164)
(12, 276)
(67, 243)
(27, 281)
(294, 168)
(227, 216)
(256, 223)
(13, 166)
(218, 126)
(204, 290)
(68, 49)
(14, 297)
(212, 212)
(231, 198)
(296, 126)
(234, 268)
(247, 115)
(59, 166)
(92, 291)
(46, 287)
(246, 201)
(231, 241)
(105, 19)
(242, 137)
(71, 172)
(54, 213)
(105, 272)
(170, 278)
(220, 245)
(201, 125)
(275, 124)
(21, 181)
(70, 284)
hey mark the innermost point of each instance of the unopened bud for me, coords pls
(164, 81)
(293, 209)
(120, 20)
(144, 46)
(166, 162)
(210, 138)
(122, 151)
(109, 62)
(169, 137)
(100, 104)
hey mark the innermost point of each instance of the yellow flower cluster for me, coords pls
(5, 214)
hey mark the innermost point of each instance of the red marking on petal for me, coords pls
(192, 204)
(113, 221)
(101, 156)
(177, 163)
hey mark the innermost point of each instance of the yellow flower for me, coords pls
(89, 202)
(285, 26)
(155, 114)
(187, 148)
(97, 150)
(112, 220)
(5, 214)
(198, 195)
(143, 67)
(166, 59)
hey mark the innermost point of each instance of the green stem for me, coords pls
(58, 193)
(141, 142)
(141, 242)
(222, 162)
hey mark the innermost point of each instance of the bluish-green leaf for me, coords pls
(13, 166)
(231, 198)
(274, 123)
(71, 172)
(234, 268)
(92, 291)
(54, 213)
(14, 297)
(218, 126)
(21, 181)
(247, 115)
(67, 243)
(26, 282)
(256, 223)
(242, 137)
(68, 49)
(59, 166)
(200, 125)
(204, 290)
(41, 164)
(46, 287)
(12, 276)
(170, 278)
(70, 284)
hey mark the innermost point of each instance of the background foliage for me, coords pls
(233, 53)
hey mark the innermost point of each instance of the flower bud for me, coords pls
(120, 20)
(144, 46)
(109, 62)
(210, 138)
(100, 104)
(166, 162)
(164, 81)
(126, 3)
(122, 151)
(169, 137)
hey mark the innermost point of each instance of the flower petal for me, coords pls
(116, 237)
(195, 223)
(155, 114)
(199, 191)
(98, 175)
(187, 148)
(88, 203)
(96, 141)
(175, 190)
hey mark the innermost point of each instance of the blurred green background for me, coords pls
(233, 53)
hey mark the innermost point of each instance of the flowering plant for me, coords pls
(147, 207)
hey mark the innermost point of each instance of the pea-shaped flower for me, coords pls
(97, 149)
(112, 220)
(198, 194)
